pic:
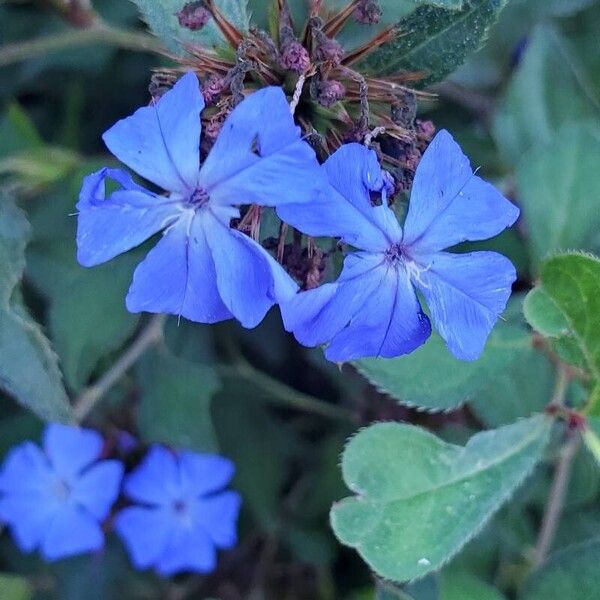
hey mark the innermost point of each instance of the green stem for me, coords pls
(284, 395)
(99, 33)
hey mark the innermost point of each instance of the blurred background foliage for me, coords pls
(525, 108)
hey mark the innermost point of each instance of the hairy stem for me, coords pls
(98, 33)
(150, 335)
(556, 499)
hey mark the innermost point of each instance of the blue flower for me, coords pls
(201, 269)
(185, 514)
(55, 499)
(372, 309)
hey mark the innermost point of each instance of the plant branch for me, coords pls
(98, 33)
(283, 395)
(556, 499)
(150, 335)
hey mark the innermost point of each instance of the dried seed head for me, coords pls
(294, 57)
(368, 12)
(194, 15)
(330, 92)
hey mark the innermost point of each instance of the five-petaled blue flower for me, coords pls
(55, 499)
(185, 513)
(201, 269)
(372, 309)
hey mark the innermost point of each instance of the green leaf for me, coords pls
(569, 574)
(543, 315)
(558, 184)
(87, 315)
(13, 587)
(410, 379)
(175, 402)
(436, 40)
(420, 500)
(572, 281)
(534, 106)
(591, 437)
(160, 15)
(459, 585)
(28, 366)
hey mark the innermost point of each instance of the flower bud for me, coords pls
(368, 12)
(194, 15)
(212, 89)
(329, 50)
(294, 57)
(330, 92)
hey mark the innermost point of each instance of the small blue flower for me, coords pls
(185, 513)
(55, 499)
(201, 269)
(372, 309)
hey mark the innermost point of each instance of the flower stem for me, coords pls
(150, 335)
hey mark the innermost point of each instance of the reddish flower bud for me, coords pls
(212, 89)
(368, 12)
(294, 57)
(329, 50)
(194, 15)
(330, 92)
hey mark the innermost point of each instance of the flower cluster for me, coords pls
(207, 270)
(57, 498)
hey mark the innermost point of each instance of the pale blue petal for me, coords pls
(156, 481)
(466, 293)
(71, 449)
(107, 227)
(204, 473)
(145, 532)
(316, 316)
(161, 142)
(29, 516)
(98, 488)
(178, 276)
(250, 281)
(390, 323)
(218, 515)
(71, 531)
(449, 204)
(260, 158)
(188, 549)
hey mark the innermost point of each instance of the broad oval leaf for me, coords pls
(435, 40)
(569, 574)
(419, 499)
(543, 315)
(572, 281)
(28, 366)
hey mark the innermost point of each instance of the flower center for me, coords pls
(61, 490)
(198, 198)
(394, 254)
(182, 510)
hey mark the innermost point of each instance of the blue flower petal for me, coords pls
(188, 549)
(71, 531)
(29, 516)
(390, 323)
(161, 142)
(316, 316)
(344, 209)
(98, 487)
(71, 449)
(259, 156)
(145, 532)
(178, 276)
(218, 515)
(107, 227)
(26, 470)
(249, 279)
(204, 473)
(156, 481)
(466, 293)
(449, 204)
